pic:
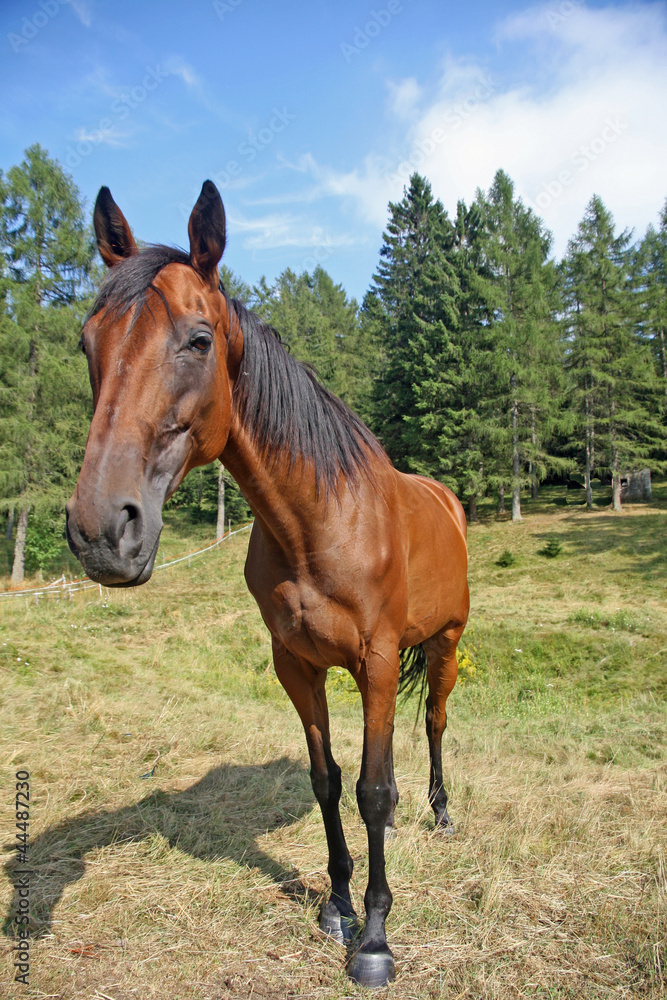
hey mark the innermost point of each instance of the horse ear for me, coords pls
(114, 237)
(206, 230)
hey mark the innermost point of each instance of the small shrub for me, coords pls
(506, 559)
(553, 548)
(620, 621)
(582, 616)
(625, 621)
(44, 542)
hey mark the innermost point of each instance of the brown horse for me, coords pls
(350, 561)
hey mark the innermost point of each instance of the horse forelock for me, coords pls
(128, 282)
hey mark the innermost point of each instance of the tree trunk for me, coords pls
(616, 488)
(501, 499)
(220, 529)
(664, 356)
(615, 466)
(472, 508)
(18, 567)
(589, 454)
(533, 465)
(10, 524)
(516, 463)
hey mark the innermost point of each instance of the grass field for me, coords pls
(177, 849)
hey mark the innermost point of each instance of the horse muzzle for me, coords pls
(115, 541)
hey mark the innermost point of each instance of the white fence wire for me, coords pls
(65, 588)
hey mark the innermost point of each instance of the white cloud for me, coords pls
(179, 67)
(403, 96)
(83, 10)
(108, 137)
(591, 121)
(364, 186)
(271, 231)
(199, 90)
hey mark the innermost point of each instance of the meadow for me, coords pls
(177, 849)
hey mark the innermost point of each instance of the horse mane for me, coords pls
(285, 407)
(282, 403)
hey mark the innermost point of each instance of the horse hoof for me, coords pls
(372, 969)
(444, 825)
(336, 926)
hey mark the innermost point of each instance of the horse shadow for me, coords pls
(220, 816)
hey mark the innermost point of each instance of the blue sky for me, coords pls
(310, 115)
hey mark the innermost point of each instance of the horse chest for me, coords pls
(310, 624)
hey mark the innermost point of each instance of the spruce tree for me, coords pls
(651, 278)
(523, 333)
(414, 301)
(47, 249)
(453, 404)
(614, 377)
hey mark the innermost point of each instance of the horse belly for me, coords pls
(437, 573)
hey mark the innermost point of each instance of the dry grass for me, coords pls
(205, 878)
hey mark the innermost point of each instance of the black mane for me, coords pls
(280, 400)
(285, 407)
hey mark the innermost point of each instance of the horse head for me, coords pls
(161, 354)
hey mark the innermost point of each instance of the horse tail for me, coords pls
(413, 672)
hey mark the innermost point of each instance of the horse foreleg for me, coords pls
(442, 673)
(390, 828)
(306, 688)
(373, 963)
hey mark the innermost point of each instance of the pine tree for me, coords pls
(614, 377)
(651, 279)
(524, 337)
(413, 301)
(466, 444)
(47, 249)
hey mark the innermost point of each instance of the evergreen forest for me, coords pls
(476, 357)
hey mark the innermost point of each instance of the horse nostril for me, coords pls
(131, 511)
(130, 529)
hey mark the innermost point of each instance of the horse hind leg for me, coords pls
(442, 672)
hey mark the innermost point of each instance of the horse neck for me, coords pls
(282, 494)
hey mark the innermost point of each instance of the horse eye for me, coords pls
(201, 342)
